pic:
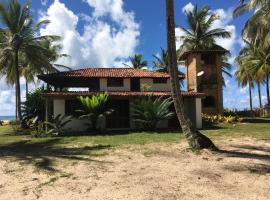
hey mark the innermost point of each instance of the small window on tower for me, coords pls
(208, 59)
(209, 102)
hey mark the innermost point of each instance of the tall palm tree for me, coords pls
(161, 63)
(195, 139)
(225, 68)
(20, 37)
(200, 33)
(137, 62)
(245, 79)
(258, 24)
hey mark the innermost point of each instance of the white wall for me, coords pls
(148, 82)
(58, 107)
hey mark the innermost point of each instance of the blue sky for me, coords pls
(106, 32)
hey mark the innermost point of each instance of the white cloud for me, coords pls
(101, 43)
(188, 7)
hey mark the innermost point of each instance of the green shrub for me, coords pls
(34, 106)
(94, 109)
(149, 113)
(37, 128)
(57, 126)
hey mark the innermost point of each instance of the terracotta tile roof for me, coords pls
(109, 72)
(118, 94)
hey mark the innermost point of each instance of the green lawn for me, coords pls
(43, 152)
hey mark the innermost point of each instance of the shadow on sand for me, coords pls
(259, 168)
(42, 154)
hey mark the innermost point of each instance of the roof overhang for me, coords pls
(54, 95)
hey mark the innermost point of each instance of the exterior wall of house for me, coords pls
(104, 87)
(59, 107)
(148, 85)
(192, 107)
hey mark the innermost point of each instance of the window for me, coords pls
(209, 102)
(160, 80)
(208, 59)
(115, 82)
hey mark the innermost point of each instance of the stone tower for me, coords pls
(204, 75)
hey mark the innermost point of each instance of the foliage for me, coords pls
(34, 106)
(137, 62)
(161, 64)
(1, 123)
(57, 126)
(221, 118)
(149, 113)
(37, 128)
(94, 109)
(20, 40)
(200, 33)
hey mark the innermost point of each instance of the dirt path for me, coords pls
(149, 172)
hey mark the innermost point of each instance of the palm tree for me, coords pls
(200, 34)
(18, 35)
(137, 62)
(258, 24)
(225, 68)
(161, 63)
(195, 139)
(245, 79)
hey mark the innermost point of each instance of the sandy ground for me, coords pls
(241, 171)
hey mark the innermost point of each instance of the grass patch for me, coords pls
(43, 153)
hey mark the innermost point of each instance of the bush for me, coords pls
(58, 124)
(221, 118)
(34, 106)
(1, 123)
(37, 128)
(149, 113)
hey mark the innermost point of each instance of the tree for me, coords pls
(258, 24)
(149, 112)
(19, 37)
(195, 139)
(94, 108)
(137, 62)
(161, 64)
(200, 33)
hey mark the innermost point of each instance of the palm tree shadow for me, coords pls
(42, 154)
(258, 168)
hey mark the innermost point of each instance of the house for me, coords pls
(204, 75)
(123, 85)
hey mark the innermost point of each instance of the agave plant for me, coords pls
(149, 113)
(58, 124)
(94, 109)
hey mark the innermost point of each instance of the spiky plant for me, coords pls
(149, 112)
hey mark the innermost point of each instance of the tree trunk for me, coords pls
(26, 87)
(18, 89)
(268, 90)
(259, 94)
(195, 139)
(250, 97)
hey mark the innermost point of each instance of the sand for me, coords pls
(149, 172)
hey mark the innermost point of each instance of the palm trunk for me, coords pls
(18, 89)
(259, 94)
(250, 97)
(268, 90)
(26, 87)
(195, 139)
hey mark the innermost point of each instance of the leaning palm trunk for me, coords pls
(259, 94)
(250, 97)
(195, 139)
(268, 90)
(18, 89)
